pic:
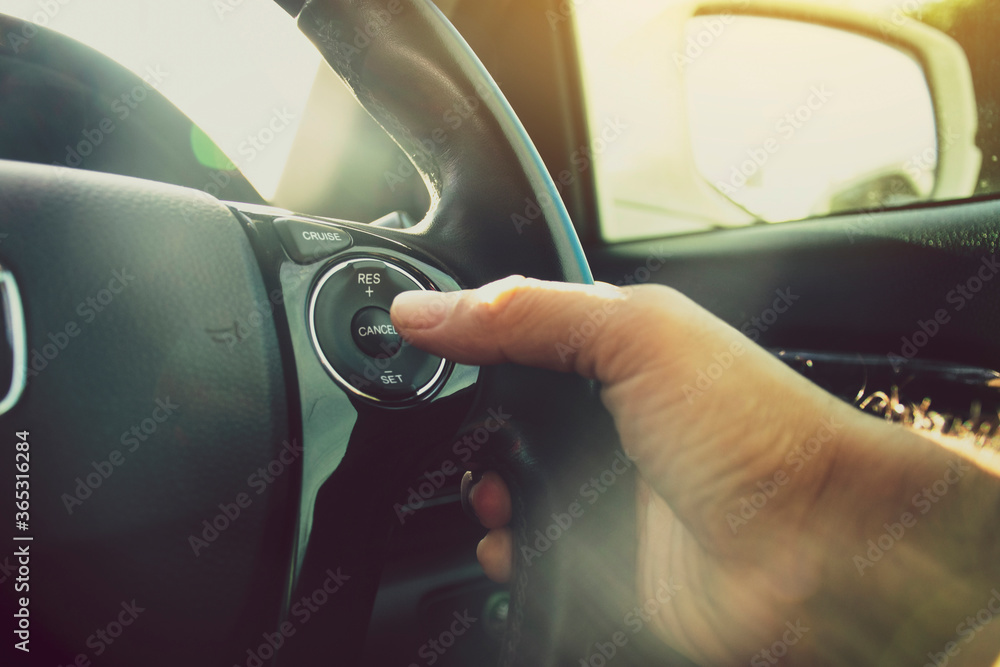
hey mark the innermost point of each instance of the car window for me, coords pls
(709, 115)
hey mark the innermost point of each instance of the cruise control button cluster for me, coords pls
(356, 340)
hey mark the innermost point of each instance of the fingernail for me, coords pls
(469, 481)
(419, 309)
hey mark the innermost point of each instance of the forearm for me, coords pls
(925, 553)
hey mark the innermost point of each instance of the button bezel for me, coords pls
(423, 392)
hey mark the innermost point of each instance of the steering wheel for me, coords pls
(219, 415)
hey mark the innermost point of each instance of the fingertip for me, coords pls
(490, 500)
(419, 310)
(495, 554)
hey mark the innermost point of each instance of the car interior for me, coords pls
(230, 457)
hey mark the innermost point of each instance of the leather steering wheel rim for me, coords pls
(485, 178)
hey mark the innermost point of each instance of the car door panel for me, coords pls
(906, 298)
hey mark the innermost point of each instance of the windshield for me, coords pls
(240, 70)
(700, 118)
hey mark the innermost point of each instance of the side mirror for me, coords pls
(800, 109)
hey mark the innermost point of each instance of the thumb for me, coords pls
(590, 329)
(600, 331)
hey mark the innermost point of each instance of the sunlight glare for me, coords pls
(240, 69)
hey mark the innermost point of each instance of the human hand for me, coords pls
(786, 577)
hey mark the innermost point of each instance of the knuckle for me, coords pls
(504, 305)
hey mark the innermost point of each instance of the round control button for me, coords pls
(374, 334)
(354, 337)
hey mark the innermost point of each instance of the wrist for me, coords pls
(926, 553)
